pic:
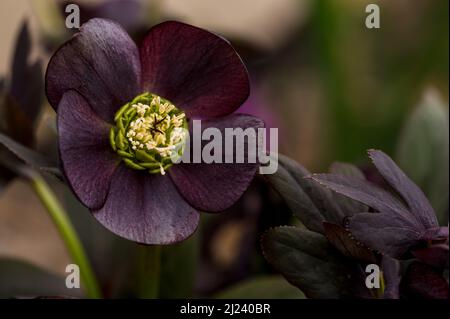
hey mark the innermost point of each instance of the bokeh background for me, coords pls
(333, 88)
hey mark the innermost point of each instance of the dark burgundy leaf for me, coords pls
(344, 242)
(286, 183)
(362, 191)
(27, 155)
(347, 206)
(15, 122)
(435, 255)
(386, 232)
(27, 82)
(423, 281)
(413, 196)
(310, 263)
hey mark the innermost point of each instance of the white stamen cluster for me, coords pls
(149, 131)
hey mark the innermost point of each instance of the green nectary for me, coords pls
(150, 133)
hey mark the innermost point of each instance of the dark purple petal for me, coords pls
(100, 62)
(146, 209)
(198, 71)
(413, 196)
(435, 255)
(87, 158)
(386, 232)
(215, 187)
(366, 193)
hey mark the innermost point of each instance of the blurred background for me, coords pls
(333, 88)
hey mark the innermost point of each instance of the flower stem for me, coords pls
(68, 234)
(149, 271)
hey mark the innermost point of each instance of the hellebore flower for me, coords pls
(120, 109)
(403, 220)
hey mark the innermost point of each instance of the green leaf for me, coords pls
(423, 151)
(28, 156)
(309, 262)
(21, 279)
(262, 287)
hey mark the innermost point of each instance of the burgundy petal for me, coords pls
(413, 196)
(87, 158)
(146, 209)
(215, 187)
(100, 62)
(195, 69)
(386, 232)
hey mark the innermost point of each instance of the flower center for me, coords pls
(150, 133)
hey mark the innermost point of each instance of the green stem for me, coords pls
(149, 271)
(68, 234)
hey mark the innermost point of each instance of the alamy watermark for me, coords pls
(373, 277)
(373, 17)
(230, 146)
(73, 277)
(73, 19)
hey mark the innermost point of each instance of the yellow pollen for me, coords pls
(148, 130)
(150, 133)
